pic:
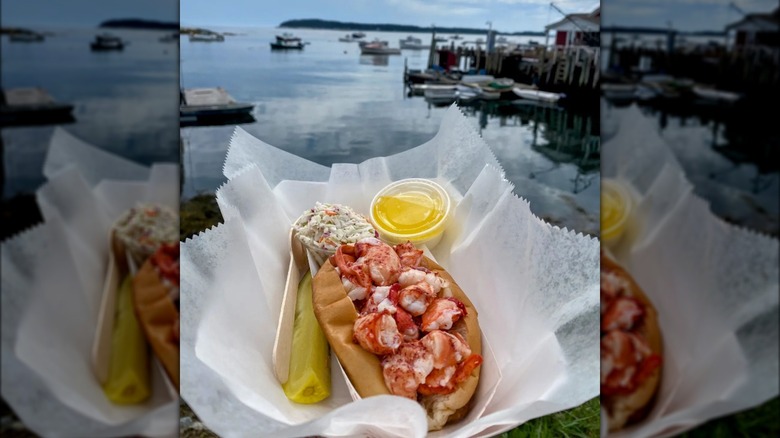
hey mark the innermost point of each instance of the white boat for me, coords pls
(375, 41)
(200, 103)
(412, 43)
(107, 41)
(348, 39)
(475, 79)
(358, 35)
(542, 96)
(421, 88)
(378, 49)
(619, 91)
(287, 37)
(206, 37)
(715, 95)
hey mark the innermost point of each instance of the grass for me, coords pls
(581, 421)
(761, 421)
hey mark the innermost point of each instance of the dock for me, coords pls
(32, 106)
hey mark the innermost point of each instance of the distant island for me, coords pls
(138, 23)
(347, 26)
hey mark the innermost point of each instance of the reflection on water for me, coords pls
(124, 101)
(329, 104)
(729, 154)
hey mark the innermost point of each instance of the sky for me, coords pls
(505, 15)
(64, 13)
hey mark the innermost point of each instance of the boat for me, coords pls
(475, 79)
(348, 39)
(26, 37)
(209, 103)
(712, 94)
(378, 49)
(412, 43)
(618, 92)
(207, 37)
(287, 37)
(287, 45)
(358, 35)
(420, 89)
(170, 38)
(501, 84)
(32, 105)
(375, 41)
(439, 40)
(502, 40)
(542, 96)
(456, 37)
(107, 41)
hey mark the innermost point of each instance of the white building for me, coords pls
(579, 29)
(755, 30)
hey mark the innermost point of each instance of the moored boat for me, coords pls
(107, 41)
(412, 43)
(204, 103)
(542, 96)
(713, 94)
(378, 49)
(32, 105)
(287, 45)
(206, 37)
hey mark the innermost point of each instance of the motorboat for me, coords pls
(542, 96)
(420, 89)
(439, 39)
(412, 43)
(712, 94)
(358, 35)
(476, 79)
(107, 41)
(378, 49)
(205, 103)
(207, 37)
(348, 39)
(618, 92)
(287, 37)
(32, 105)
(375, 41)
(287, 45)
(170, 38)
(456, 37)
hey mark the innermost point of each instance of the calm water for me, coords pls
(125, 102)
(329, 104)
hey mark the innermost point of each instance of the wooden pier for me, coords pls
(554, 68)
(742, 70)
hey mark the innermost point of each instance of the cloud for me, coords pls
(441, 8)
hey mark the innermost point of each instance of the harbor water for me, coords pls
(328, 103)
(125, 102)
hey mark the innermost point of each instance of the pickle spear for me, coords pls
(309, 379)
(128, 373)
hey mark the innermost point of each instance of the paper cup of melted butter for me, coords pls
(414, 209)
(616, 208)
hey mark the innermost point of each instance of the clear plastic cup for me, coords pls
(414, 209)
(616, 208)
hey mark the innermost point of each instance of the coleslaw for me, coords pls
(145, 227)
(327, 226)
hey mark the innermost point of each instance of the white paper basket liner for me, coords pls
(534, 286)
(714, 286)
(56, 272)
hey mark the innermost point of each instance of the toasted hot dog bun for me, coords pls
(158, 318)
(624, 409)
(337, 314)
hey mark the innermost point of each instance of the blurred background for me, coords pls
(704, 74)
(104, 71)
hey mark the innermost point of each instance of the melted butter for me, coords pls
(409, 213)
(613, 211)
